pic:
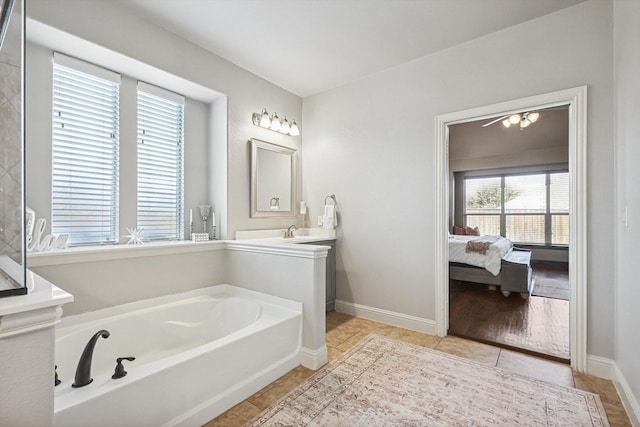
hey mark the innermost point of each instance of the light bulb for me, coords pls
(515, 118)
(265, 121)
(275, 122)
(285, 125)
(506, 123)
(533, 117)
(524, 123)
(294, 129)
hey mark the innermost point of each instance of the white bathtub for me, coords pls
(197, 354)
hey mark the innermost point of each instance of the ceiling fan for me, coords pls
(524, 119)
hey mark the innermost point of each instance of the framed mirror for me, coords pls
(12, 236)
(273, 178)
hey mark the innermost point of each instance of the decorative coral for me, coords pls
(136, 236)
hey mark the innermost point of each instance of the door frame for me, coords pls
(576, 99)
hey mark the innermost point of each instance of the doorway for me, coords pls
(510, 191)
(575, 98)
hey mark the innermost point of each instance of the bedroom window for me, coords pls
(531, 208)
(85, 158)
(160, 163)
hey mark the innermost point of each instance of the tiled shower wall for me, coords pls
(10, 157)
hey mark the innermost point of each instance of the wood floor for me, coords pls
(344, 331)
(538, 325)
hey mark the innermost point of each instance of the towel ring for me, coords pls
(331, 196)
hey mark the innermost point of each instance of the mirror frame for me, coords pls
(257, 144)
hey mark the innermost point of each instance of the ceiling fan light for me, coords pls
(275, 122)
(506, 123)
(515, 118)
(533, 117)
(265, 121)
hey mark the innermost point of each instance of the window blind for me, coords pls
(85, 154)
(160, 163)
(529, 208)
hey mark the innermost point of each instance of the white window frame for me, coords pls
(79, 180)
(160, 164)
(548, 215)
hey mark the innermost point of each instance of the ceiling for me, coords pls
(471, 140)
(310, 46)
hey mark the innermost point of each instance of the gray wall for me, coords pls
(381, 150)
(247, 93)
(627, 107)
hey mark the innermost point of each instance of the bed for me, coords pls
(491, 260)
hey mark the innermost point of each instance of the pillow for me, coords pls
(472, 231)
(459, 230)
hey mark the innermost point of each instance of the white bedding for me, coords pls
(491, 261)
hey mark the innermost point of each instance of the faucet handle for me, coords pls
(120, 372)
(56, 380)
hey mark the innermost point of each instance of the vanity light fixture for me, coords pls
(275, 123)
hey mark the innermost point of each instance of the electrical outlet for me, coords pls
(319, 220)
(626, 216)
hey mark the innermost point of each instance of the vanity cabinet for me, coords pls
(330, 273)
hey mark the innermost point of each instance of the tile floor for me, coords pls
(343, 331)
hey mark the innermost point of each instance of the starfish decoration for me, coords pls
(135, 236)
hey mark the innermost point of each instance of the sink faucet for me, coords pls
(83, 372)
(289, 233)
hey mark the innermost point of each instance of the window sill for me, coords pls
(80, 254)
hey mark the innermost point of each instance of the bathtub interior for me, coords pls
(159, 332)
(165, 330)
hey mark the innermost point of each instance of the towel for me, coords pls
(329, 218)
(480, 244)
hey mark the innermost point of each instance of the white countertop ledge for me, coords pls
(276, 236)
(79, 254)
(37, 310)
(276, 245)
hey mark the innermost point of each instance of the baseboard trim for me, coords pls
(428, 326)
(608, 369)
(629, 401)
(600, 367)
(314, 359)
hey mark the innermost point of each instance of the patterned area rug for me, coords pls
(384, 382)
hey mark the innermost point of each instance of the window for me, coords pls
(530, 208)
(85, 152)
(160, 163)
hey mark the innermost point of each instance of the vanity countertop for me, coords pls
(276, 236)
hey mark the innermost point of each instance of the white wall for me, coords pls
(371, 143)
(152, 45)
(627, 128)
(101, 284)
(27, 364)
